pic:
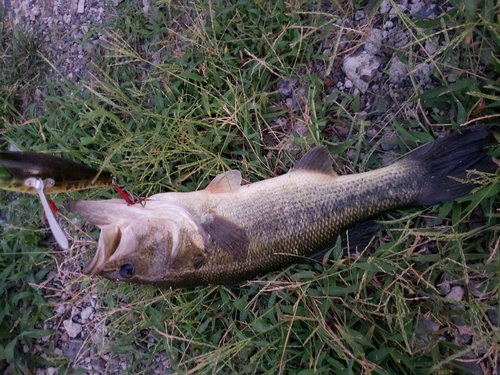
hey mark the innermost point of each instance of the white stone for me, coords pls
(456, 293)
(35, 11)
(73, 329)
(397, 71)
(385, 7)
(361, 69)
(416, 6)
(60, 309)
(374, 41)
(430, 47)
(86, 313)
(348, 84)
(81, 6)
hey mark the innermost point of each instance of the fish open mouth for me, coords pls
(108, 243)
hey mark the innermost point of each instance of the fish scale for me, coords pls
(308, 225)
(228, 233)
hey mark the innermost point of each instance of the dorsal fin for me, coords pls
(317, 159)
(226, 182)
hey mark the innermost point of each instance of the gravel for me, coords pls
(62, 26)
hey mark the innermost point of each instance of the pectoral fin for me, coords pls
(229, 236)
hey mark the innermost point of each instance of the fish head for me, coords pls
(140, 244)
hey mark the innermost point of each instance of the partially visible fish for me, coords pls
(228, 233)
(59, 175)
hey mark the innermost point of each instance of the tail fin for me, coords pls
(450, 158)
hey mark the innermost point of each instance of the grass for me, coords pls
(173, 100)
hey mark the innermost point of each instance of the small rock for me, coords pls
(359, 15)
(464, 331)
(430, 47)
(493, 316)
(424, 12)
(374, 41)
(35, 12)
(475, 289)
(425, 327)
(385, 7)
(285, 86)
(73, 348)
(298, 98)
(73, 329)
(351, 154)
(51, 371)
(86, 313)
(64, 337)
(397, 71)
(456, 293)
(81, 6)
(416, 6)
(388, 143)
(302, 130)
(60, 309)
(361, 69)
(401, 39)
(75, 311)
(98, 363)
(145, 6)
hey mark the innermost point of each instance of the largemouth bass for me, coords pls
(59, 175)
(228, 232)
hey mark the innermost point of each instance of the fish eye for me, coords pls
(127, 271)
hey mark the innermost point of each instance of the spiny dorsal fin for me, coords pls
(317, 159)
(226, 182)
(229, 236)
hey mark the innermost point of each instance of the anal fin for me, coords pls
(354, 240)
